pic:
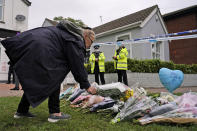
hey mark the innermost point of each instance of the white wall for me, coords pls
(3, 64)
(146, 79)
(155, 27)
(11, 9)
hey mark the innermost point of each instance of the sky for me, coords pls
(96, 12)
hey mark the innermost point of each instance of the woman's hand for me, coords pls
(91, 90)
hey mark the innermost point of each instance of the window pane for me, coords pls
(1, 12)
(1, 2)
(153, 46)
(158, 56)
(153, 54)
(158, 47)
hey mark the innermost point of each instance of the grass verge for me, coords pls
(79, 121)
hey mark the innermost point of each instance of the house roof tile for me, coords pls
(126, 20)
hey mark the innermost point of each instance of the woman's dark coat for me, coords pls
(42, 57)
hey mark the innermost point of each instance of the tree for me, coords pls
(77, 22)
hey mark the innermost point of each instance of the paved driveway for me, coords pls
(5, 90)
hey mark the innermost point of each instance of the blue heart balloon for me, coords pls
(171, 79)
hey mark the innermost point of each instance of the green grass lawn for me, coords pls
(79, 122)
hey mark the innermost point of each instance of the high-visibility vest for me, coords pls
(101, 62)
(121, 62)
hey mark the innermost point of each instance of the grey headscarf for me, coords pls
(72, 28)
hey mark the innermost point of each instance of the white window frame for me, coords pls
(154, 50)
(129, 34)
(2, 5)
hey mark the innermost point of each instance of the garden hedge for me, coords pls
(149, 66)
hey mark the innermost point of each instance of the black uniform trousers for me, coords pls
(11, 72)
(97, 73)
(53, 103)
(122, 74)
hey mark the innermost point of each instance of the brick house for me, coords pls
(182, 51)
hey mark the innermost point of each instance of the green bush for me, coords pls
(149, 66)
(184, 68)
(194, 68)
(133, 65)
(109, 67)
(169, 65)
(152, 66)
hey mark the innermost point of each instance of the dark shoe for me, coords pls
(15, 88)
(8, 83)
(20, 115)
(53, 118)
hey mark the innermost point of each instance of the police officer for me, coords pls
(120, 62)
(97, 60)
(14, 78)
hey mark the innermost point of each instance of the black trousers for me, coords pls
(53, 103)
(122, 74)
(97, 73)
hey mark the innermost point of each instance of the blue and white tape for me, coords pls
(168, 35)
(164, 37)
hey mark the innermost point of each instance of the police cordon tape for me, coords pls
(168, 35)
(167, 38)
(164, 37)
